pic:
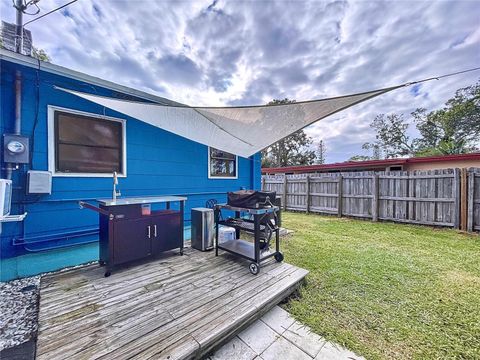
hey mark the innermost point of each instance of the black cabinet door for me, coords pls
(167, 232)
(132, 241)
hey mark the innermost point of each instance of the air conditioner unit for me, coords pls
(5, 197)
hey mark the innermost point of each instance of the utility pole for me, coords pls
(20, 7)
(321, 153)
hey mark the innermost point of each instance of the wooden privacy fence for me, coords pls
(418, 197)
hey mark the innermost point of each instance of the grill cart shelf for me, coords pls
(131, 230)
(263, 226)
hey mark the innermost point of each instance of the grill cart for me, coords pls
(263, 224)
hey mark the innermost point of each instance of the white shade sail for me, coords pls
(242, 130)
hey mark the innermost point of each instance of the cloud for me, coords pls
(250, 52)
(178, 69)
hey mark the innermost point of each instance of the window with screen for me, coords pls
(85, 144)
(222, 164)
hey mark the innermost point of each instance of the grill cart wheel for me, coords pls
(279, 257)
(254, 268)
(108, 273)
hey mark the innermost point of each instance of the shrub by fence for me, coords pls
(419, 197)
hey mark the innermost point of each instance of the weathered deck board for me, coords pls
(175, 307)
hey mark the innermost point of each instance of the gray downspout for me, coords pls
(18, 86)
(18, 115)
(18, 122)
(18, 103)
(19, 6)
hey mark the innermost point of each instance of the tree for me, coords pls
(359, 158)
(291, 150)
(391, 138)
(321, 152)
(40, 54)
(376, 153)
(376, 150)
(454, 129)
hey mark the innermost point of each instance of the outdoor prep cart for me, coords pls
(263, 226)
(131, 230)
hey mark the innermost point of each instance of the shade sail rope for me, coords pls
(241, 130)
(443, 76)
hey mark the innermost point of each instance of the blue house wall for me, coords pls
(56, 233)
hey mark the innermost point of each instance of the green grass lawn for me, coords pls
(385, 290)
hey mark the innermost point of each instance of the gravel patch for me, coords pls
(19, 301)
(18, 311)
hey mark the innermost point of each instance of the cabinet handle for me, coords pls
(149, 232)
(155, 230)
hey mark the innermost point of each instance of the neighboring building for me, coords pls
(82, 143)
(8, 38)
(407, 164)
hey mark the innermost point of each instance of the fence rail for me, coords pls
(419, 197)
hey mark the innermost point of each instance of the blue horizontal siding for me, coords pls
(158, 163)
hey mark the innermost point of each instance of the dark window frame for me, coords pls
(395, 168)
(58, 170)
(225, 159)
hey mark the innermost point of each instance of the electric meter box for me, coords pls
(16, 149)
(39, 182)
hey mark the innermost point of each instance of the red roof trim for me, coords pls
(371, 163)
(472, 156)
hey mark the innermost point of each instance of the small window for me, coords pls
(87, 145)
(222, 164)
(395, 168)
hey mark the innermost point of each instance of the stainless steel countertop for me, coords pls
(140, 200)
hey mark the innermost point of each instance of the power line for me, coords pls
(48, 13)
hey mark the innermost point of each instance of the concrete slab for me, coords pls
(234, 349)
(283, 349)
(278, 319)
(258, 336)
(304, 338)
(277, 336)
(331, 351)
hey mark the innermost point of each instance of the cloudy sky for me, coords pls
(245, 53)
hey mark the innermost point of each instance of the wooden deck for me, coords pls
(177, 307)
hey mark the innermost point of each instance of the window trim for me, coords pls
(51, 142)
(213, 177)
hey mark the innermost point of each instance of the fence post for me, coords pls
(263, 183)
(307, 180)
(411, 195)
(456, 198)
(284, 200)
(375, 198)
(463, 199)
(340, 195)
(471, 198)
